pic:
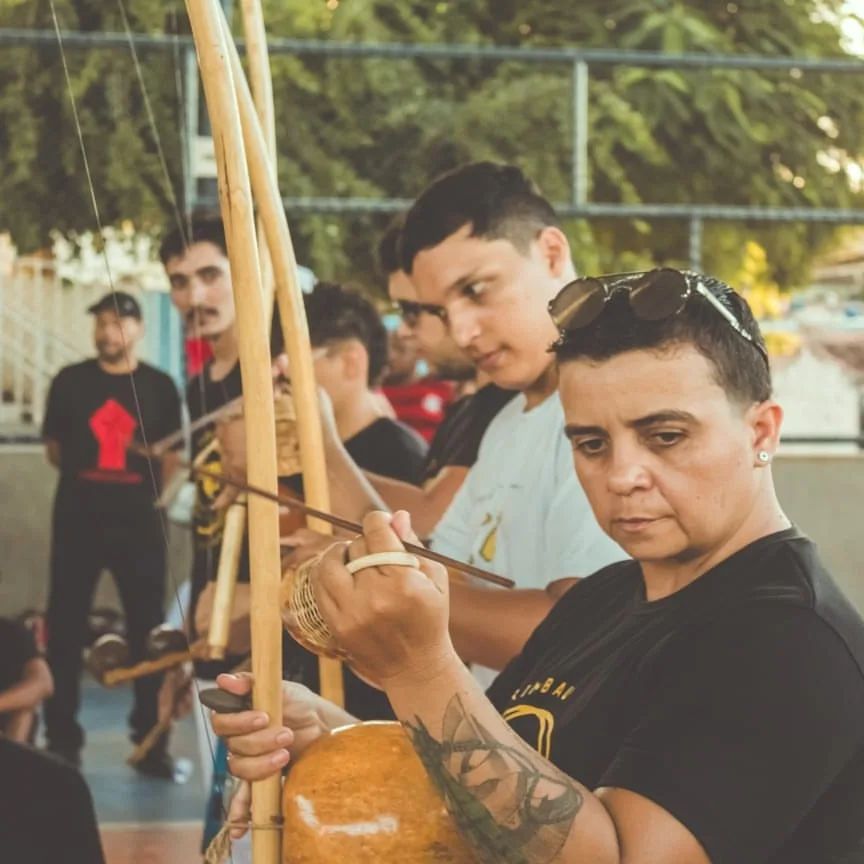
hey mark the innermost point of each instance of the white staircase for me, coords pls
(44, 326)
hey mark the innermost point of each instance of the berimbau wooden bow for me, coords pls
(240, 143)
(234, 530)
(294, 327)
(235, 198)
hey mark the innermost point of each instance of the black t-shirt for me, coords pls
(17, 648)
(736, 704)
(385, 447)
(46, 812)
(95, 416)
(458, 438)
(204, 395)
(391, 449)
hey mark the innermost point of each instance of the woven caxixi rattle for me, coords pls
(300, 613)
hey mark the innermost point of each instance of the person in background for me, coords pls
(104, 514)
(402, 359)
(417, 399)
(195, 259)
(350, 350)
(46, 810)
(25, 681)
(419, 388)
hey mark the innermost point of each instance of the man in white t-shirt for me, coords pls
(485, 252)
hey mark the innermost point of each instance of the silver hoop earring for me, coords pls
(764, 457)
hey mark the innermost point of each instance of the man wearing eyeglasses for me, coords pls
(454, 449)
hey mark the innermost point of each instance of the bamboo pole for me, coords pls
(235, 526)
(261, 83)
(260, 80)
(235, 199)
(226, 578)
(296, 332)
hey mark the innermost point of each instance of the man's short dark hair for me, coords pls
(739, 367)
(335, 313)
(497, 201)
(199, 229)
(390, 247)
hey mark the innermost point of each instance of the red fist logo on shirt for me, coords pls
(113, 427)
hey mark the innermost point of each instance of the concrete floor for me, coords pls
(174, 843)
(142, 820)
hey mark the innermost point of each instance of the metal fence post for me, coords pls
(696, 243)
(190, 120)
(40, 351)
(4, 328)
(579, 144)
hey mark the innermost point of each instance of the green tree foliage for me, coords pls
(43, 185)
(384, 126)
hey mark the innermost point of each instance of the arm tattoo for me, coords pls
(508, 803)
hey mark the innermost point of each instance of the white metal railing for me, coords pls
(43, 327)
(44, 323)
(30, 359)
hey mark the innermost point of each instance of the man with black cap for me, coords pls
(104, 516)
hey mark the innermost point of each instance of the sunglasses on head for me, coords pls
(411, 311)
(653, 295)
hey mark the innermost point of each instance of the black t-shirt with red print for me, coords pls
(95, 416)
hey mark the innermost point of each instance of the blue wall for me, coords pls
(163, 335)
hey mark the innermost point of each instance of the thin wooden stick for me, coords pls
(235, 197)
(158, 448)
(197, 651)
(353, 527)
(113, 677)
(143, 748)
(203, 455)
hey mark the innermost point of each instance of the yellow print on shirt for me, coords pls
(557, 689)
(209, 522)
(490, 542)
(546, 725)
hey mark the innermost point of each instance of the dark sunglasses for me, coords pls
(411, 311)
(653, 295)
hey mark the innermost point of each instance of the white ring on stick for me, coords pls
(382, 559)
